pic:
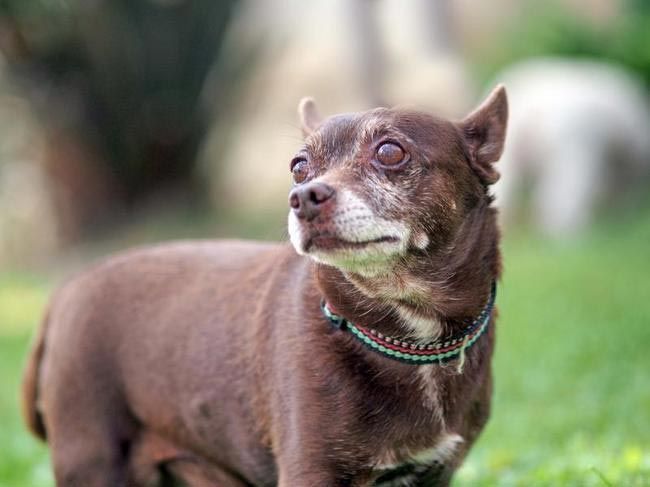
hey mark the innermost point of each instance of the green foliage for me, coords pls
(546, 29)
(571, 367)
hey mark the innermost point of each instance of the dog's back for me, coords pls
(135, 337)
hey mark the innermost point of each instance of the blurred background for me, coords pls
(124, 122)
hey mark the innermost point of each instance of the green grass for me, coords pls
(23, 460)
(572, 399)
(572, 368)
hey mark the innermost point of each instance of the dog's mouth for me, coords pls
(330, 243)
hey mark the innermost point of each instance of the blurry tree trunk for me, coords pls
(118, 85)
(368, 50)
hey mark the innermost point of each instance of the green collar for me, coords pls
(438, 351)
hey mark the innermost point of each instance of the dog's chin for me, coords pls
(368, 257)
(369, 248)
(329, 243)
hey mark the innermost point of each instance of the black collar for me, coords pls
(438, 351)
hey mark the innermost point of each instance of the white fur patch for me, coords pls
(421, 240)
(431, 394)
(295, 233)
(441, 452)
(420, 327)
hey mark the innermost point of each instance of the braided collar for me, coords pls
(438, 351)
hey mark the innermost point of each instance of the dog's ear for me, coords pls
(484, 131)
(308, 114)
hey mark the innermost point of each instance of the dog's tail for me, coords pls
(31, 415)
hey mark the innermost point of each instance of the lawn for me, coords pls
(572, 369)
(23, 461)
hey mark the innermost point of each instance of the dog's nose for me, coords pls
(308, 200)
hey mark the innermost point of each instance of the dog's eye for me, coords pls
(390, 154)
(299, 169)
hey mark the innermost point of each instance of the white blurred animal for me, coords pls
(578, 137)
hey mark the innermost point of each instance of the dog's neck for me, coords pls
(429, 292)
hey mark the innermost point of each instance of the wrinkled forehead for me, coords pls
(342, 135)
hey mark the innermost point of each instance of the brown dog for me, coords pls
(362, 359)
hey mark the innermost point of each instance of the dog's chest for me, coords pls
(402, 467)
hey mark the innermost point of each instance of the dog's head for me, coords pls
(372, 188)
